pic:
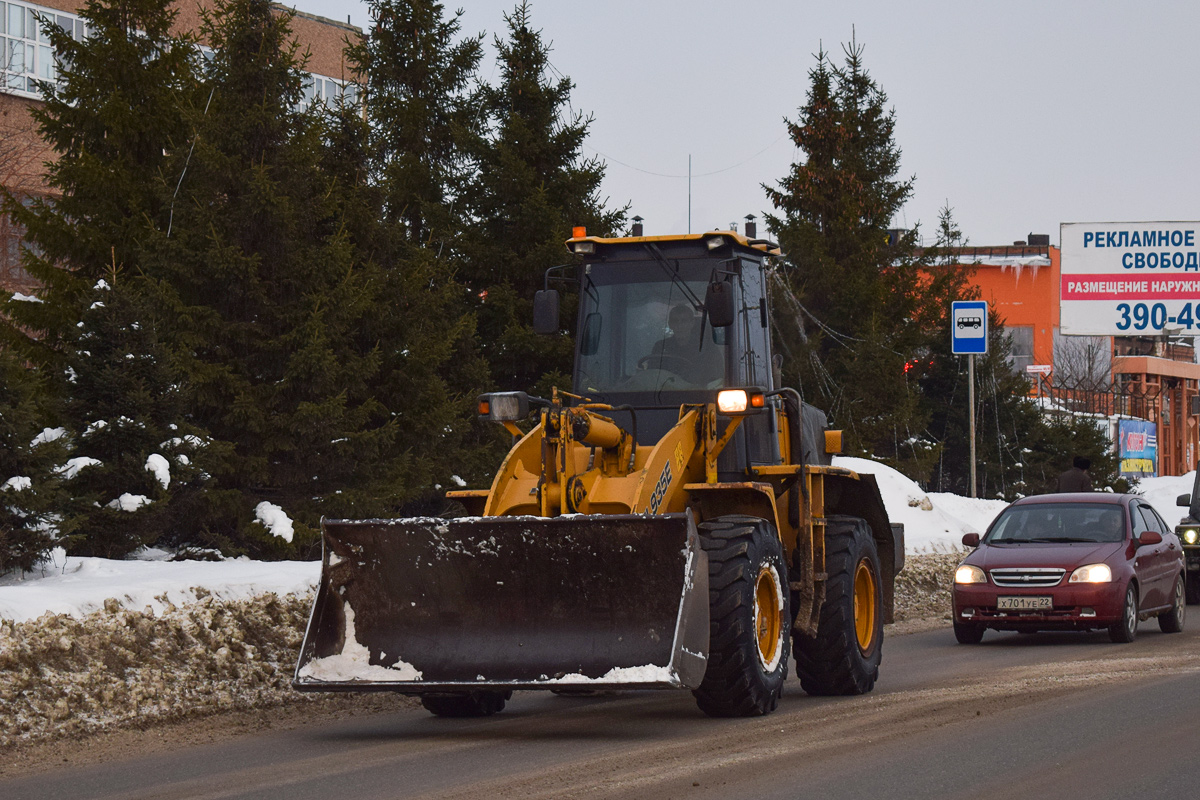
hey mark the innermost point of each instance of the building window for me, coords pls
(319, 89)
(26, 56)
(1021, 347)
(25, 52)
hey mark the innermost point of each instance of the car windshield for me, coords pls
(643, 331)
(1058, 522)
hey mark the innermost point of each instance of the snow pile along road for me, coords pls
(61, 675)
(933, 521)
(78, 586)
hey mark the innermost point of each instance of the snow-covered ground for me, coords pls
(933, 522)
(79, 586)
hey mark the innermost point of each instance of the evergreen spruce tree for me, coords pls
(111, 119)
(133, 475)
(400, 173)
(533, 185)
(1019, 451)
(270, 307)
(423, 114)
(29, 488)
(853, 305)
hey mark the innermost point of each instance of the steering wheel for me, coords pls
(676, 364)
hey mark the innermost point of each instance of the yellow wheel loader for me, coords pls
(673, 522)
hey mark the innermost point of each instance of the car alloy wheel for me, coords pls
(1124, 630)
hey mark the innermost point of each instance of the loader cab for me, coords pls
(644, 337)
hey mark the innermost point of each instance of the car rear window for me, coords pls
(1058, 522)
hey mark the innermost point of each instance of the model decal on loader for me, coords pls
(660, 491)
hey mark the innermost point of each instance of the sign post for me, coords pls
(969, 337)
(1039, 372)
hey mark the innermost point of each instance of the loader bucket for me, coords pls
(433, 605)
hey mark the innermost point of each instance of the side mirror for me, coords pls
(971, 539)
(718, 301)
(545, 311)
(1149, 538)
(1183, 500)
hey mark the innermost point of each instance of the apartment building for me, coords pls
(27, 57)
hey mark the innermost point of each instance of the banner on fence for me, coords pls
(1138, 448)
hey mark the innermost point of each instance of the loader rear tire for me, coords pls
(467, 704)
(844, 656)
(749, 620)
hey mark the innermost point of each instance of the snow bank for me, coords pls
(62, 676)
(1162, 492)
(78, 586)
(933, 521)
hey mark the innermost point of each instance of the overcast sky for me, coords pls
(1021, 115)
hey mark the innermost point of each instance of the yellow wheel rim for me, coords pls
(866, 603)
(768, 615)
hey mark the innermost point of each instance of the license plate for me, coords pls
(1022, 603)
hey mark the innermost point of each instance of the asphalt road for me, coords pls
(1017, 716)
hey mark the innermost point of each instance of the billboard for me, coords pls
(1138, 448)
(1130, 278)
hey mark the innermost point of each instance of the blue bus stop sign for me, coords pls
(969, 327)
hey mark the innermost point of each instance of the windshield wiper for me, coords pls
(673, 274)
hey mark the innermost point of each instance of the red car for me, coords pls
(1071, 562)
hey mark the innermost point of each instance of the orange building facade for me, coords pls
(1139, 378)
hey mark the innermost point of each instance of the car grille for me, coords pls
(1032, 577)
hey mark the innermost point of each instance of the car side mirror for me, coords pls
(1149, 538)
(545, 311)
(718, 302)
(1183, 500)
(971, 539)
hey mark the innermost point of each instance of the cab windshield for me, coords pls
(641, 331)
(1058, 522)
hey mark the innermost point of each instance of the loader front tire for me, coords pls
(844, 656)
(749, 621)
(466, 704)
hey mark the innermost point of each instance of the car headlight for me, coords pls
(1190, 535)
(969, 574)
(1092, 573)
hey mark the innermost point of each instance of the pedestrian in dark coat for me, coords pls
(1076, 479)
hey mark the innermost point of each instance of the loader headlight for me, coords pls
(1190, 536)
(740, 401)
(504, 406)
